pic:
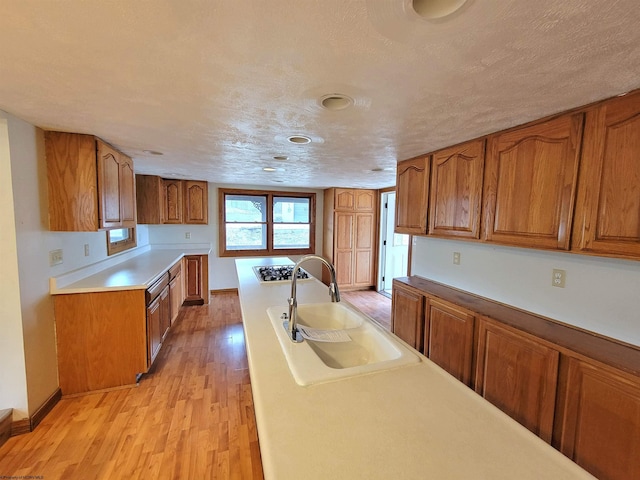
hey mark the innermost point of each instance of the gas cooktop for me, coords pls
(278, 273)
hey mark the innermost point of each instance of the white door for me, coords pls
(394, 247)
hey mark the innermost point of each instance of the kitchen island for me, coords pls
(410, 422)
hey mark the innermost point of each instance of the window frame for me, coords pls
(269, 251)
(121, 245)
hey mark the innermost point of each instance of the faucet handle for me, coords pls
(284, 316)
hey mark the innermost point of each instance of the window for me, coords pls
(266, 223)
(120, 240)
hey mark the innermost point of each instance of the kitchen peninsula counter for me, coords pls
(135, 273)
(411, 422)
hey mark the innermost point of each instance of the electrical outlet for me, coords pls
(456, 258)
(55, 257)
(559, 278)
(86, 249)
(187, 235)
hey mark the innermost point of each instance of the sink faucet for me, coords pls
(292, 324)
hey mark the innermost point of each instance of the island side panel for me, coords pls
(102, 339)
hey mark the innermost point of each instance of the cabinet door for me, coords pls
(172, 201)
(608, 204)
(519, 375)
(407, 319)
(412, 196)
(365, 200)
(600, 427)
(109, 186)
(127, 181)
(196, 202)
(194, 294)
(456, 191)
(344, 234)
(165, 312)
(364, 254)
(344, 199)
(449, 338)
(530, 184)
(176, 295)
(154, 329)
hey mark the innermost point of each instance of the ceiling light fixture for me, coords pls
(280, 157)
(336, 101)
(269, 169)
(435, 9)
(299, 139)
(152, 152)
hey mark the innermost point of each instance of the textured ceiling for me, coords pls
(219, 85)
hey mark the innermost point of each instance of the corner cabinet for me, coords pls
(456, 191)
(412, 195)
(171, 201)
(608, 205)
(531, 176)
(91, 185)
(350, 227)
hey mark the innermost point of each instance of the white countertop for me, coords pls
(413, 422)
(135, 273)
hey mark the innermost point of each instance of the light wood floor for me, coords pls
(193, 418)
(374, 304)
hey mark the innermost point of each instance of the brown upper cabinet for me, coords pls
(91, 185)
(571, 181)
(412, 195)
(196, 202)
(172, 205)
(530, 181)
(456, 191)
(608, 204)
(171, 201)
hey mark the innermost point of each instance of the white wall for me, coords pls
(601, 294)
(26, 308)
(13, 377)
(222, 270)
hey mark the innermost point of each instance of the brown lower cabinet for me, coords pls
(518, 373)
(107, 339)
(407, 317)
(176, 290)
(448, 337)
(575, 389)
(598, 420)
(196, 283)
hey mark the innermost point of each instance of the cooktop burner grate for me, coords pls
(278, 273)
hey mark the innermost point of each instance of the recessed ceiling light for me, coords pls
(381, 169)
(277, 181)
(434, 9)
(280, 157)
(152, 152)
(336, 101)
(299, 139)
(269, 169)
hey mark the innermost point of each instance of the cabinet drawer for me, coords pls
(175, 270)
(154, 290)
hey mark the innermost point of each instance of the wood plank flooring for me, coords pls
(192, 418)
(374, 304)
